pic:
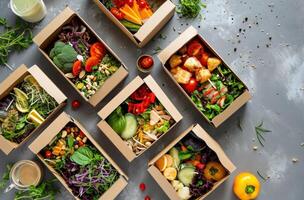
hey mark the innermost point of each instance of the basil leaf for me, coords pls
(70, 141)
(83, 156)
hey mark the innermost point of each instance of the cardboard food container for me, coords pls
(49, 35)
(120, 98)
(199, 132)
(50, 133)
(178, 43)
(150, 28)
(16, 78)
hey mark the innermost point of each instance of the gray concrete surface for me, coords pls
(274, 75)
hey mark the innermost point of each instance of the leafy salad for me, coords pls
(211, 85)
(191, 167)
(82, 58)
(85, 170)
(140, 120)
(25, 108)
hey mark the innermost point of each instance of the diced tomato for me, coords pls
(130, 2)
(194, 48)
(116, 12)
(48, 154)
(200, 166)
(119, 3)
(80, 143)
(76, 68)
(191, 86)
(81, 134)
(198, 157)
(91, 62)
(224, 90)
(183, 148)
(98, 50)
(204, 59)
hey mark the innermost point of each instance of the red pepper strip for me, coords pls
(130, 107)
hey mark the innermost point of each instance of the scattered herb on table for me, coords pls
(240, 124)
(161, 36)
(13, 38)
(262, 177)
(156, 50)
(5, 176)
(259, 130)
(190, 8)
(45, 190)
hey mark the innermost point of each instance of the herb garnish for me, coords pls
(190, 8)
(5, 176)
(16, 37)
(259, 133)
(156, 50)
(240, 124)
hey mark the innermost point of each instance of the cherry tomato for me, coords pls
(142, 4)
(200, 166)
(48, 154)
(81, 134)
(147, 198)
(146, 62)
(204, 59)
(98, 50)
(130, 2)
(198, 157)
(75, 104)
(91, 62)
(194, 48)
(191, 86)
(142, 186)
(116, 12)
(76, 68)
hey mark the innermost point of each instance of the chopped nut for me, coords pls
(81, 74)
(148, 144)
(64, 134)
(69, 75)
(78, 138)
(255, 148)
(84, 140)
(76, 146)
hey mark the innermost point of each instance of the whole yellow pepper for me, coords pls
(246, 186)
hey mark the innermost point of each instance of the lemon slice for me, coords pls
(30, 79)
(170, 173)
(169, 160)
(35, 117)
(21, 101)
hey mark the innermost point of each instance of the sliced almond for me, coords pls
(69, 75)
(82, 74)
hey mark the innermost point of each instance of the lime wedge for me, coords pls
(30, 79)
(21, 101)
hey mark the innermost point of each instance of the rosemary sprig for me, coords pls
(259, 130)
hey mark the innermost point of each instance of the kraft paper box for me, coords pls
(200, 133)
(49, 35)
(14, 79)
(178, 43)
(120, 98)
(150, 28)
(51, 132)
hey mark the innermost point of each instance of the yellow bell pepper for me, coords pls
(246, 186)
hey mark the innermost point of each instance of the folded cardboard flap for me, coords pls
(212, 144)
(163, 183)
(232, 108)
(7, 146)
(47, 84)
(116, 140)
(49, 133)
(108, 85)
(161, 96)
(156, 21)
(13, 79)
(176, 44)
(120, 97)
(58, 21)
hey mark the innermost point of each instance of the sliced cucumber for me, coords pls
(174, 153)
(186, 175)
(130, 128)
